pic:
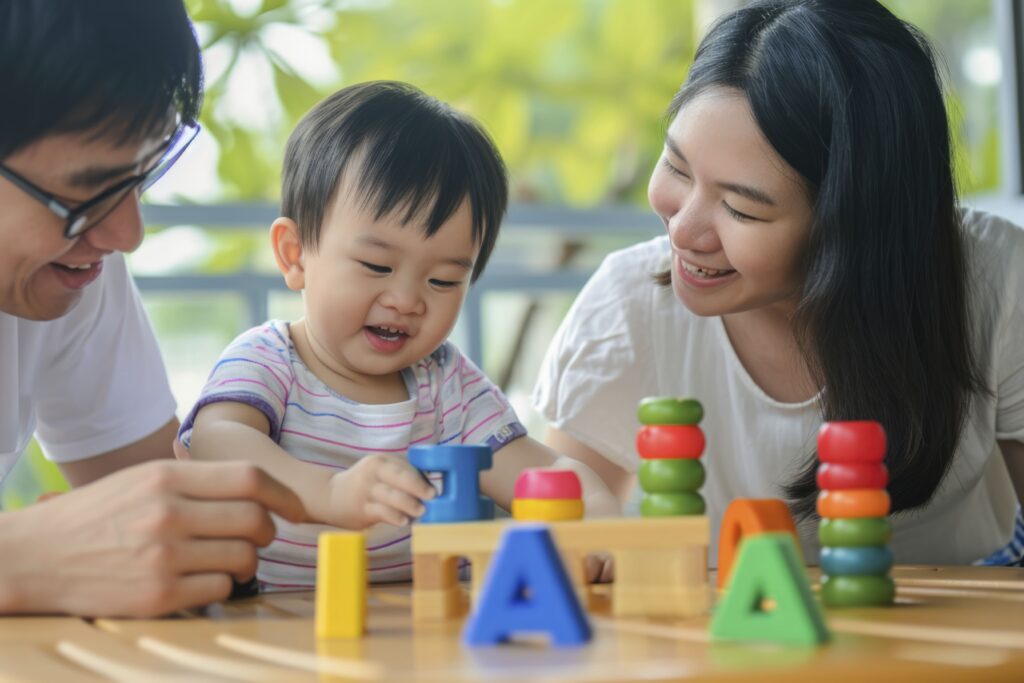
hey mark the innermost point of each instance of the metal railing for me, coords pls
(571, 225)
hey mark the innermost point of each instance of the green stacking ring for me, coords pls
(671, 504)
(857, 591)
(669, 410)
(671, 475)
(861, 561)
(854, 532)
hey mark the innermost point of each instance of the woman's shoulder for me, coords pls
(995, 249)
(638, 261)
(627, 276)
(993, 240)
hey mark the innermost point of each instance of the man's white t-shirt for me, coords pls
(626, 338)
(86, 383)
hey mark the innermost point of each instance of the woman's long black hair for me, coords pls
(850, 97)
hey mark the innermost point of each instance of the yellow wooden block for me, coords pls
(670, 602)
(479, 563)
(661, 583)
(434, 572)
(631, 533)
(586, 535)
(546, 509)
(341, 585)
(660, 563)
(438, 604)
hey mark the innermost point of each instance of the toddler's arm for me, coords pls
(377, 488)
(499, 481)
(598, 500)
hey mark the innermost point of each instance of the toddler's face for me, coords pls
(379, 295)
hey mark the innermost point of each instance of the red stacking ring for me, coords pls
(846, 442)
(539, 483)
(853, 475)
(670, 441)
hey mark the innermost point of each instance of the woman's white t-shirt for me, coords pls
(626, 338)
(86, 383)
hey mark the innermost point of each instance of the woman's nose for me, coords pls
(692, 228)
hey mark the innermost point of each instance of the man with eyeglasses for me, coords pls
(99, 98)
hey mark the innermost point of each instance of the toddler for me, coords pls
(390, 209)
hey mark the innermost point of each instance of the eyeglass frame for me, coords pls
(76, 218)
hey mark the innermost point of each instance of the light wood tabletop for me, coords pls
(948, 624)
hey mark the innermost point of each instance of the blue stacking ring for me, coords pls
(865, 561)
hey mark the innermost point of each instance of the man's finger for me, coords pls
(197, 590)
(233, 481)
(237, 558)
(241, 519)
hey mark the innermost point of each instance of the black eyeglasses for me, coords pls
(87, 214)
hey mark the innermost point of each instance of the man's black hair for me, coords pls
(118, 69)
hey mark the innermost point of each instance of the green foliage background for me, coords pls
(573, 91)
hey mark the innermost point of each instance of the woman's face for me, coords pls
(737, 215)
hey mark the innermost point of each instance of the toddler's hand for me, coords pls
(379, 488)
(600, 568)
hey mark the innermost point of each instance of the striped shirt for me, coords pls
(450, 401)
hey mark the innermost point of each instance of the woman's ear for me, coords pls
(287, 244)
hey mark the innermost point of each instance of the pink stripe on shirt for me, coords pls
(466, 435)
(364, 449)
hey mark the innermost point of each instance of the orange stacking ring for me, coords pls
(670, 441)
(746, 517)
(850, 503)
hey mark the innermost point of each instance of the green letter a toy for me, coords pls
(769, 569)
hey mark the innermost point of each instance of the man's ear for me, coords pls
(288, 252)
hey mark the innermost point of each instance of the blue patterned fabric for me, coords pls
(1011, 554)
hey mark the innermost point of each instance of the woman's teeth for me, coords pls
(705, 272)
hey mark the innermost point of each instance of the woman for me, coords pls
(816, 268)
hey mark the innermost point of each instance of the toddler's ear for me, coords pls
(284, 236)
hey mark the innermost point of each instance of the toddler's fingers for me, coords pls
(405, 477)
(599, 568)
(401, 501)
(379, 512)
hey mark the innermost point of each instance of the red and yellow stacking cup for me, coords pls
(542, 495)
(670, 444)
(854, 505)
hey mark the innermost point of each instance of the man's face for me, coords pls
(43, 274)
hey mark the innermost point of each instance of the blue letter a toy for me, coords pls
(527, 590)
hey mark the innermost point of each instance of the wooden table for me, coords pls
(949, 624)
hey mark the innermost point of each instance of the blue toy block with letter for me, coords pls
(527, 590)
(460, 466)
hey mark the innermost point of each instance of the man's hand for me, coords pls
(141, 542)
(378, 488)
